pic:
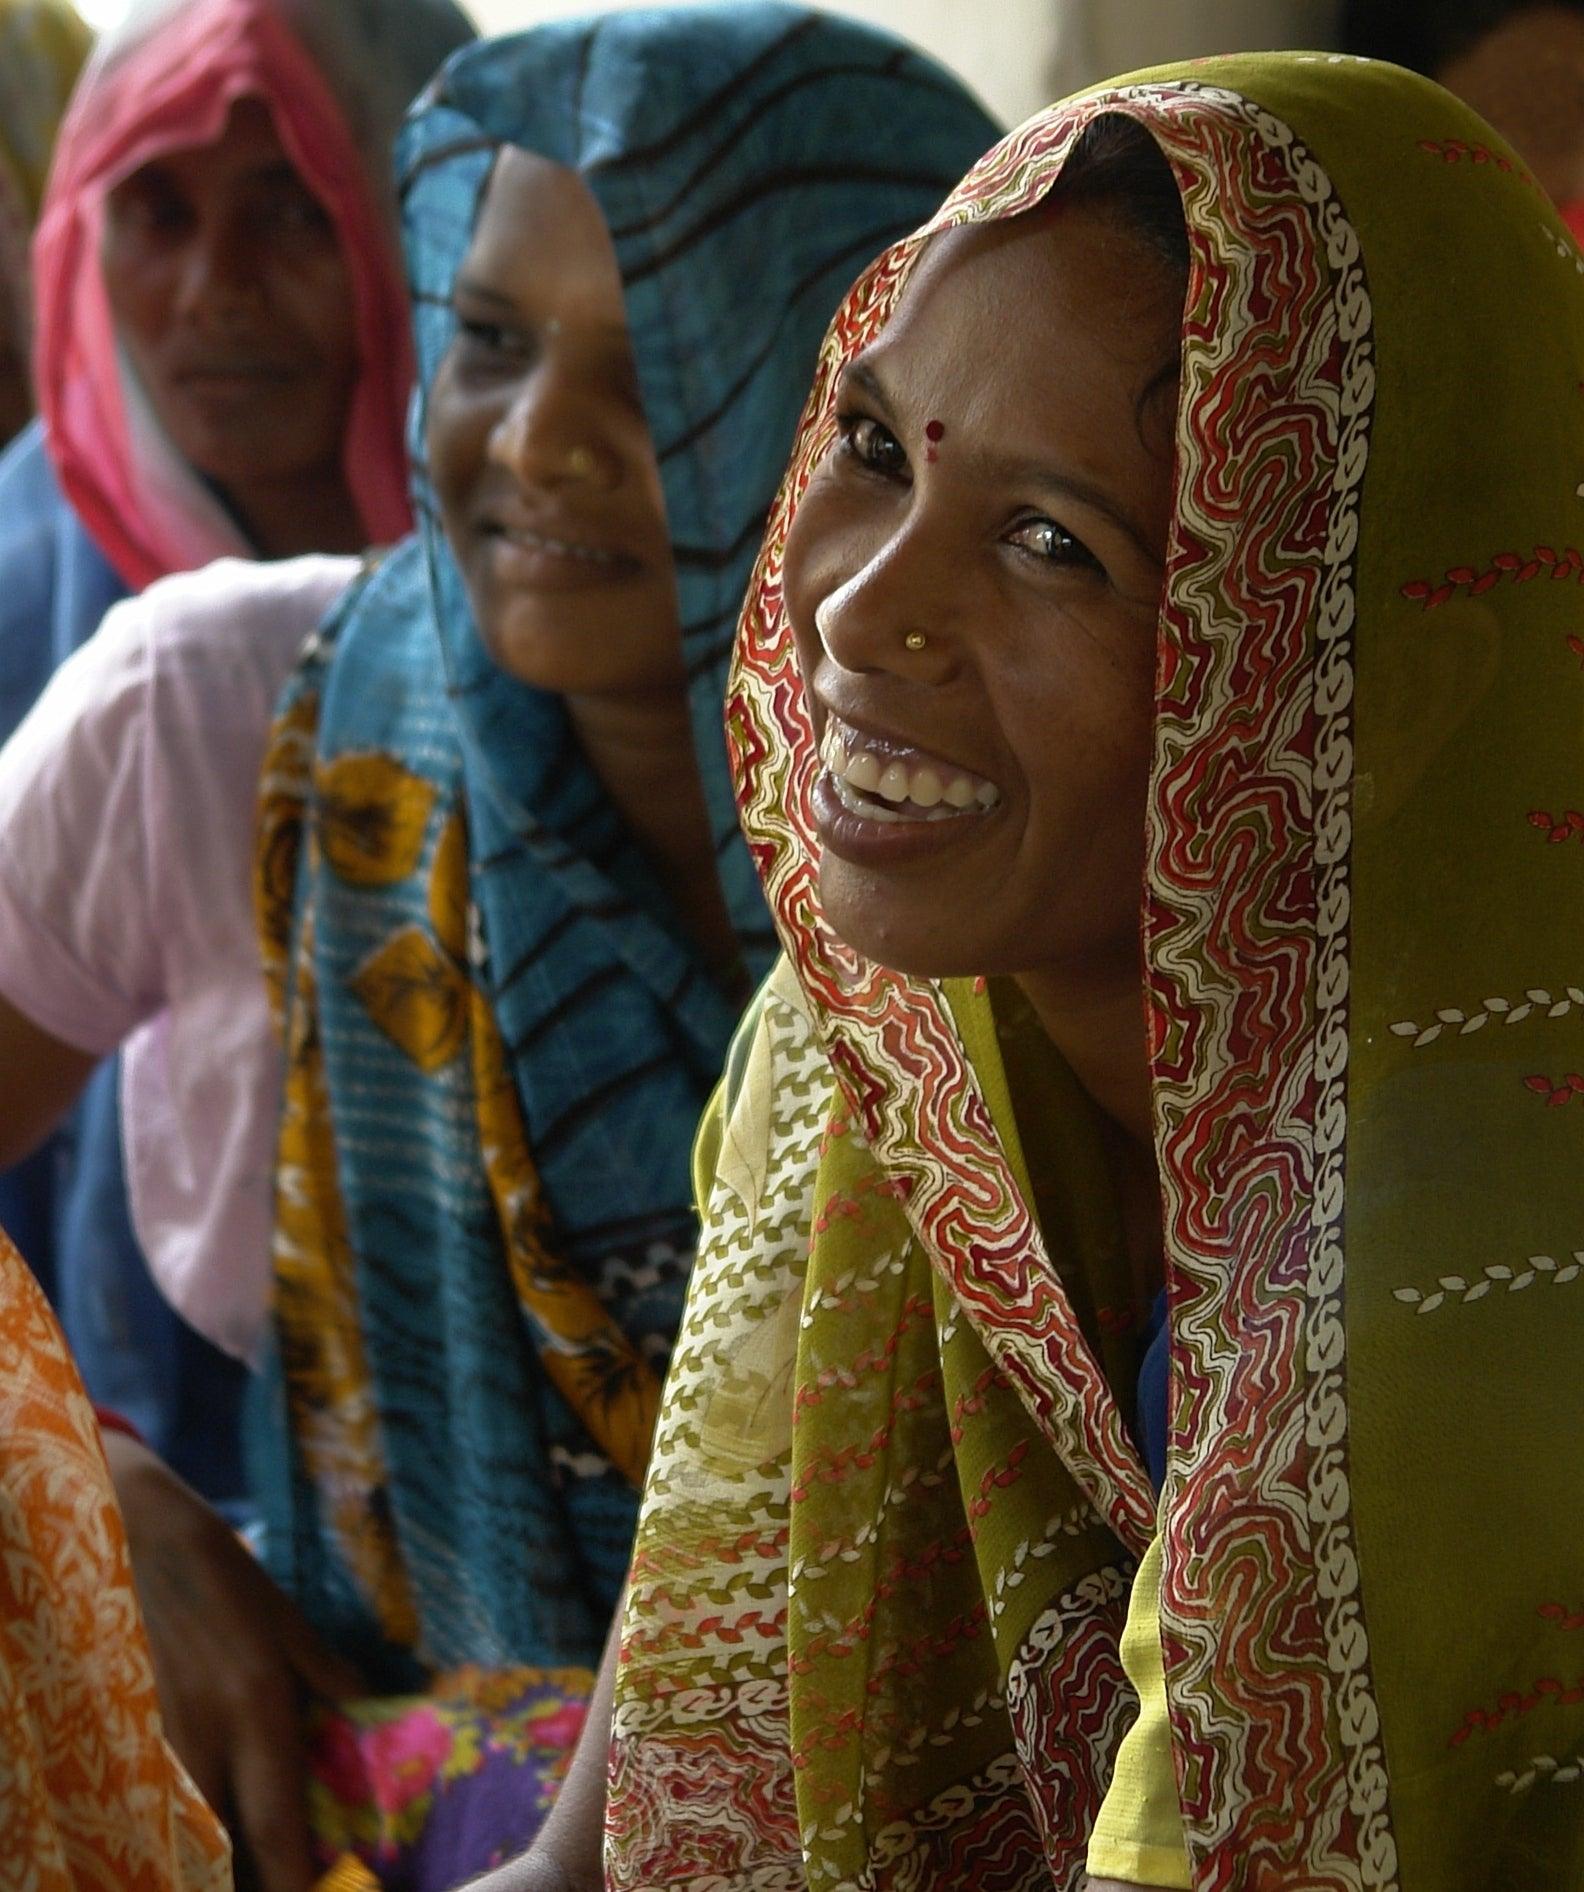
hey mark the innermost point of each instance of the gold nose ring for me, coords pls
(580, 462)
(915, 640)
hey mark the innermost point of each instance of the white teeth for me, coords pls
(875, 785)
(590, 555)
(893, 785)
(863, 771)
(856, 805)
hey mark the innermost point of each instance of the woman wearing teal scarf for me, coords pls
(506, 988)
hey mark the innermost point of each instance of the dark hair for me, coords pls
(1116, 163)
(1117, 166)
(1427, 35)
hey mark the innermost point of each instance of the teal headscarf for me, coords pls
(444, 1488)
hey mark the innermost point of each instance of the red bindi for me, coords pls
(934, 433)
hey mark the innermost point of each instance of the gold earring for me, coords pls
(915, 640)
(580, 462)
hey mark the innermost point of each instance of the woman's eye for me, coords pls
(873, 445)
(1044, 539)
(301, 214)
(152, 213)
(493, 338)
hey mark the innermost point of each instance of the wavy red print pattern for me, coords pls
(892, 1039)
(1247, 945)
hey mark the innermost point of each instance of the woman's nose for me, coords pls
(219, 272)
(547, 438)
(892, 615)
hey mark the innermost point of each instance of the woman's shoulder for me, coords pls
(27, 479)
(241, 607)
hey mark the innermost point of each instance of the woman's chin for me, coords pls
(565, 657)
(910, 936)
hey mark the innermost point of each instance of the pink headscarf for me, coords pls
(335, 81)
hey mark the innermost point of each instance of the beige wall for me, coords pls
(1019, 54)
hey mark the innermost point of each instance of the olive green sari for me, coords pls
(895, 1508)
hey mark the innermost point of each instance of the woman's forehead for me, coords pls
(1048, 282)
(540, 230)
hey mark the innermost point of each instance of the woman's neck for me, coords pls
(641, 748)
(1096, 1021)
(312, 512)
(1097, 1024)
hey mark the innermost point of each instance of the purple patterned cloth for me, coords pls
(428, 1790)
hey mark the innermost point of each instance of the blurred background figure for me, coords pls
(1520, 65)
(223, 366)
(43, 44)
(1095, 39)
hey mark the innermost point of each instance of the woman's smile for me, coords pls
(549, 555)
(880, 798)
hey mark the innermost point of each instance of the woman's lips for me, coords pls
(531, 558)
(898, 782)
(877, 800)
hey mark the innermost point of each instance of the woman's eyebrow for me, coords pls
(858, 373)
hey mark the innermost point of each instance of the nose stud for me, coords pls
(912, 640)
(580, 462)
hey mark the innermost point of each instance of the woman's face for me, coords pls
(232, 298)
(973, 580)
(549, 490)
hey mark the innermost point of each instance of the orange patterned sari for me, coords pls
(91, 1796)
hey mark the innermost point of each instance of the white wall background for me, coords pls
(1017, 54)
(1020, 54)
(1001, 47)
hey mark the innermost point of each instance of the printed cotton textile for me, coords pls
(92, 1796)
(499, 1039)
(1361, 915)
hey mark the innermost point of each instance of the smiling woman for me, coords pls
(553, 504)
(953, 781)
(1139, 594)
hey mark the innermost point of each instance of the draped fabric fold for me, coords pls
(93, 1794)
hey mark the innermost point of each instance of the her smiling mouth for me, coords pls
(876, 782)
(541, 542)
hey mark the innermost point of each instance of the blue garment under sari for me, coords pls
(432, 1491)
